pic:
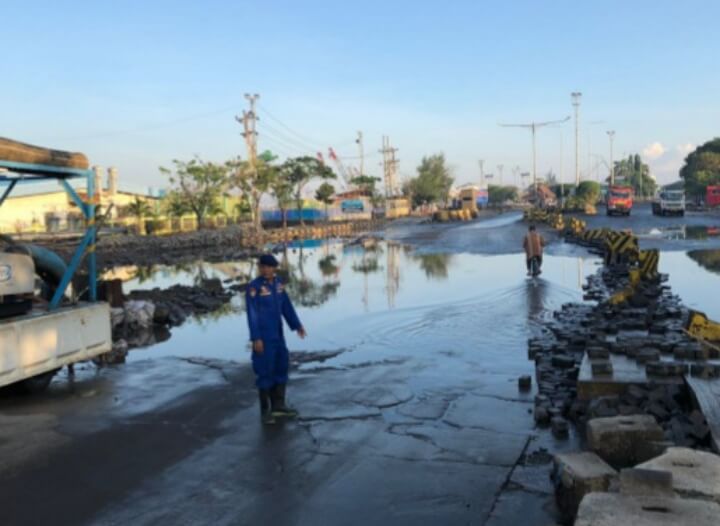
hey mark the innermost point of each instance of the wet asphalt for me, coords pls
(421, 422)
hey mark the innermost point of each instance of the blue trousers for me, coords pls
(271, 366)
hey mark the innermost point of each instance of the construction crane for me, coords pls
(533, 126)
(346, 176)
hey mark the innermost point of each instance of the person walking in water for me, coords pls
(267, 303)
(533, 245)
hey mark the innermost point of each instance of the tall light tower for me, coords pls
(533, 126)
(576, 104)
(611, 136)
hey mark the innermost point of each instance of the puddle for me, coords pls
(695, 277)
(680, 232)
(385, 301)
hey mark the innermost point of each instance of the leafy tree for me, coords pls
(282, 190)
(175, 205)
(139, 208)
(365, 183)
(432, 183)
(299, 172)
(200, 185)
(255, 180)
(324, 194)
(636, 174)
(500, 194)
(702, 168)
(589, 192)
(434, 265)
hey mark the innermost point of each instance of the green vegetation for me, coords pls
(636, 174)
(702, 168)
(139, 208)
(299, 172)
(498, 195)
(324, 194)
(199, 184)
(432, 183)
(589, 192)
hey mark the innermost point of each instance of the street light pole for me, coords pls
(576, 104)
(611, 135)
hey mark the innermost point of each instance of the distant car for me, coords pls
(669, 202)
(619, 200)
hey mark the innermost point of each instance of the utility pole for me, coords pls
(249, 121)
(389, 166)
(576, 104)
(533, 126)
(500, 169)
(611, 135)
(359, 141)
(481, 162)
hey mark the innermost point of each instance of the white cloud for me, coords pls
(653, 151)
(684, 149)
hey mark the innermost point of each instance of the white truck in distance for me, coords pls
(669, 202)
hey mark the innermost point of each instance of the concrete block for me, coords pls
(525, 383)
(622, 441)
(612, 509)
(696, 474)
(577, 474)
(602, 368)
(560, 427)
(646, 483)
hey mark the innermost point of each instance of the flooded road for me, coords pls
(406, 384)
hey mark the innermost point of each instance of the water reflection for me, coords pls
(435, 266)
(681, 232)
(536, 291)
(708, 259)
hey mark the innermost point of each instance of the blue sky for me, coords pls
(136, 84)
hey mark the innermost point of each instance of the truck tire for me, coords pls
(36, 384)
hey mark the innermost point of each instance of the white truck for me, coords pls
(41, 328)
(669, 202)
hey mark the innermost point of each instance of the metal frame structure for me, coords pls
(12, 172)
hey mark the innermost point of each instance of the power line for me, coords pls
(152, 127)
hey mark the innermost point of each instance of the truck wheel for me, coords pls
(36, 384)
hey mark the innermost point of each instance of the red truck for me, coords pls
(712, 196)
(619, 200)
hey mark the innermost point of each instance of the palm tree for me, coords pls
(139, 208)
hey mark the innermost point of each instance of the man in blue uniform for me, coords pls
(267, 304)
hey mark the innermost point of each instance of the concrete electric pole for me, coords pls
(481, 162)
(576, 104)
(389, 166)
(533, 126)
(249, 121)
(500, 170)
(611, 136)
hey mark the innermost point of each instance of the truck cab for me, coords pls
(712, 197)
(619, 200)
(669, 202)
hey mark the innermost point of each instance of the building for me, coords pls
(53, 211)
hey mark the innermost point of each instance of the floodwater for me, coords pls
(384, 301)
(389, 299)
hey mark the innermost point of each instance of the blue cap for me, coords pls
(268, 260)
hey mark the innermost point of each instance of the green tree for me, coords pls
(200, 185)
(299, 172)
(282, 191)
(500, 194)
(175, 205)
(324, 194)
(589, 192)
(702, 168)
(365, 183)
(636, 174)
(432, 183)
(254, 180)
(139, 208)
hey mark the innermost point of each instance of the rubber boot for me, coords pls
(266, 415)
(279, 408)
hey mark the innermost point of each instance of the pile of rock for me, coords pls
(629, 477)
(147, 315)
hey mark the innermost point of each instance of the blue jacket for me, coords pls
(267, 303)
